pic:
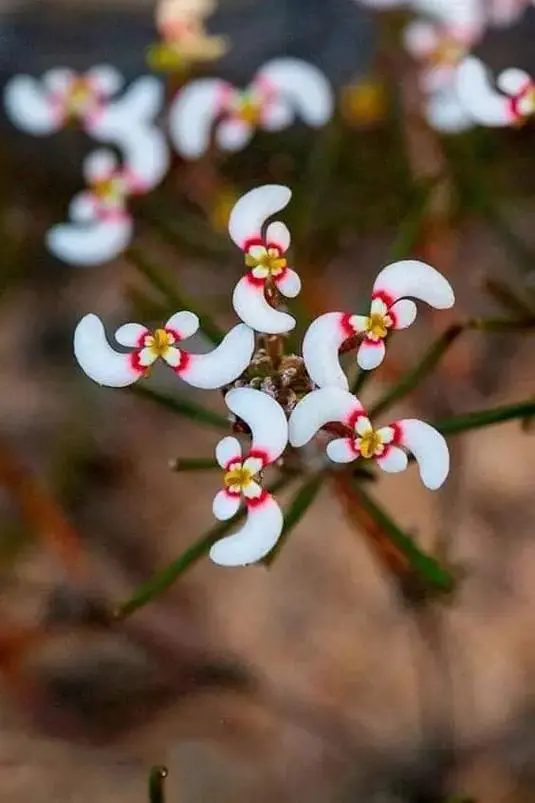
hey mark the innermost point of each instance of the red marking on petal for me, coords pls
(141, 339)
(233, 462)
(357, 413)
(176, 334)
(280, 276)
(348, 329)
(257, 501)
(261, 454)
(231, 494)
(225, 94)
(134, 362)
(353, 446)
(256, 281)
(385, 297)
(185, 361)
(370, 342)
(275, 246)
(398, 434)
(112, 215)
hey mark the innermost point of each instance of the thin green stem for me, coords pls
(485, 418)
(183, 407)
(156, 784)
(298, 507)
(165, 578)
(193, 464)
(172, 294)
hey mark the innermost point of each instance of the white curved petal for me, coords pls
(184, 323)
(278, 233)
(223, 364)
(445, 112)
(84, 207)
(289, 283)
(28, 107)
(139, 105)
(340, 450)
(420, 38)
(429, 448)
(394, 461)
(321, 344)
(478, 96)
(251, 306)
(130, 334)
(93, 244)
(225, 505)
(233, 134)
(409, 277)
(264, 417)
(252, 210)
(403, 312)
(321, 407)
(59, 79)
(512, 81)
(305, 87)
(192, 115)
(228, 449)
(277, 114)
(146, 156)
(370, 354)
(97, 358)
(100, 165)
(254, 540)
(106, 79)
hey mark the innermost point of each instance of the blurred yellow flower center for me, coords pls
(159, 341)
(448, 51)
(78, 97)
(378, 325)
(238, 476)
(109, 189)
(249, 110)
(270, 260)
(370, 444)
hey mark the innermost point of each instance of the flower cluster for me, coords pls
(185, 41)
(321, 399)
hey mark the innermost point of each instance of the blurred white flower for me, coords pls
(512, 105)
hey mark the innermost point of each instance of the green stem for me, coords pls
(165, 578)
(176, 299)
(193, 464)
(299, 505)
(156, 784)
(433, 574)
(484, 418)
(183, 407)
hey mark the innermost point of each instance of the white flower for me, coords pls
(511, 106)
(383, 445)
(242, 479)
(115, 369)
(264, 257)
(279, 90)
(390, 309)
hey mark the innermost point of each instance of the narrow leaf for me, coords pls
(299, 505)
(183, 407)
(485, 418)
(193, 464)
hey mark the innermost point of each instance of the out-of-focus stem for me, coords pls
(299, 505)
(485, 418)
(156, 784)
(183, 407)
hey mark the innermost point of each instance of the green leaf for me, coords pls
(175, 298)
(183, 407)
(298, 507)
(434, 576)
(485, 418)
(156, 784)
(165, 578)
(193, 464)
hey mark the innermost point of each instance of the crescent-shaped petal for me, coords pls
(255, 539)
(146, 156)
(429, 448)
(228, 449)
(321, 345)
(184, 323)
(100, 165)
(87, 245)
(409, 277)
(394, 460)
(252, 308)
(444, 112)
(478, 96)
(130, 334)
(225, 505)
(192, 115)
(264, 417)
(321, 407)
(403, 312)
(277, 115)
(222, 365)
(233, 134)
(59, 80)
(278, 233)
(84, 207)
(29, 108)
(251, 211)
(304, 85)
(106, 79)
(96, 357)
(512, 81)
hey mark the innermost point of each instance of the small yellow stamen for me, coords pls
(378, 325)
(238, 476)
(270, 259)
(370, 444)
(249, 111)
(159, 342)
(448, 52)
(79, 95)
(109, 189)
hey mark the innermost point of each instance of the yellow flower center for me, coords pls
(159, 341)
(378, 325)
(370, 444)
(249, 110)
(238, 476)
(270, 260)
(448, 51)
(79, 95)
(109, 189)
